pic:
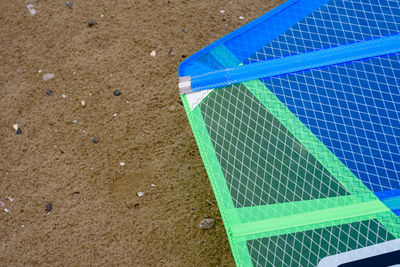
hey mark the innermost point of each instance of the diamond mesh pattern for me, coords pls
(309, 247)
(262, 162)
(354, 109)
(338, 22)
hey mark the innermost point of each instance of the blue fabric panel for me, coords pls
(354, 109)
(245, 41)
(336, 23)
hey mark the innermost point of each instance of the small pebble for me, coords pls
(31, 9)
(153, 53)
(241, 17)
(122, 163)
(68, 4)
(40, 71)
(64, 96)
(185, 30)
(117, 92)
(48, 76)
(48, 92)
(222, 11)
(91, 23)
(115, 115)
(206, 223)
(170, 53)
(102, 15)
(74, 121)
(153, 185)
(82, 144)
(140, 194)
(5, 210)
(10, 199)
(18, 131)
(95, 140)
(15, 126)
(83, 102)
(136, 205)
(76, 193)
(49, 207)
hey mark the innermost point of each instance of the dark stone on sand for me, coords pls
(49, 207)
(117, 92)
(48, 92)
(19, 131)
(91, 23)
(95, 140)
(68, 4)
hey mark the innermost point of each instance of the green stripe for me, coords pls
(217, 180)
(309, 220)
(264, 212)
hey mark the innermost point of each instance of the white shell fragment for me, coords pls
(140, 194)
(48, 76)
(222, 11)
(15, 126)
(5, 210)
(153, 53)
(83, 103)
(31, 9)
(122, 163)
(241, 17)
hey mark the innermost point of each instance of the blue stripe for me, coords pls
(320, 58)
(282, 18)
(393, 203)
(387, 194)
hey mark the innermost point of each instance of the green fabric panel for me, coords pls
(222, 195)
(262, 162)
(307, 248)
(265, 212)
(309, 220)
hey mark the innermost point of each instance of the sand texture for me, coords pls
(97, 217)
